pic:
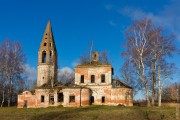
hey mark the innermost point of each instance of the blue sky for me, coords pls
(76, 23)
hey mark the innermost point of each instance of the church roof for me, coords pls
(116, 82)
(93, 64)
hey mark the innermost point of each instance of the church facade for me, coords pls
(93, 82)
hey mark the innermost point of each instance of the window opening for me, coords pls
(102, 78)
(42, 98)
(60, 97)
(51, 99)
(95, 57)
(50, 57)
(92, 99)
(45, 44)
(71, 99)
(103, 99)
(44, 57)
(82, 78)
(92, 78)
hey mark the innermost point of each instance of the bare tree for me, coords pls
(66, 76)
(129, 77)
(138, 38)
(146, 47)
(169, 93)
(104, 58)
(4, 50)
(165, 71)
(84, 59)
(160, 46)
(12, 70)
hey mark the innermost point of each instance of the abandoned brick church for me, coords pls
(93, 82)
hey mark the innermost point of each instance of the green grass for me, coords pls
(89, 113)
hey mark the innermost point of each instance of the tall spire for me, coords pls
(48, 37)
(47, 58)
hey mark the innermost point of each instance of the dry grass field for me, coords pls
(89, 113)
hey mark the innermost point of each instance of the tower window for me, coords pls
(45, 44)
(103, 99)
(50, 56)
(44, 57)
(92, 78)
(102, 78)
(42, 98)
(82, 78)
(71, 99)
(95, 57)
(50, 44)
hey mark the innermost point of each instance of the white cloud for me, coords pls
(31, 72)
(168, 17)
(65, 73)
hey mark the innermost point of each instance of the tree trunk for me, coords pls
(9, 93)
(159, 98)
(153, 82)
(2, 99)
(8, 100)
(153, 90)
(159, 88)
(147, 97)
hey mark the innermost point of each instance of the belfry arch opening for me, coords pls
(44, 57)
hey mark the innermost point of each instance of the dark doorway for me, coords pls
(42, 98)
(60, 97)
(103, 99)
(92, 99)
(25, 104)
(51, 99)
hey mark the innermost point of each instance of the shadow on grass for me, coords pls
(91, 113)
(106, 113)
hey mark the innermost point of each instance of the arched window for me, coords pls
(50, 56)
(44, 57)
(95, 57)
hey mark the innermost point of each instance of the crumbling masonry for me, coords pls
(93, 82)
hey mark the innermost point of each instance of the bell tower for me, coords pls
(47, 59)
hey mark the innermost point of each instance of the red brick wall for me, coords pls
(85, 96)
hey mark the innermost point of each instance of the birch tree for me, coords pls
(146, 46)
(138, 38)
(161, 46)
(165, 71)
